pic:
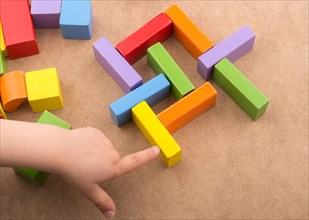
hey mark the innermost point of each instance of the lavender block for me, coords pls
(114, 63)
(46, 13)
(232, 48)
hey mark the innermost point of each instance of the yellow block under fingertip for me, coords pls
(2, 112)
(156, 134)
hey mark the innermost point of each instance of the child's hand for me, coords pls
(82, 157)
(91, 159)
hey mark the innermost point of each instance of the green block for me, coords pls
(35, 176)
(240, 89)
(162, 62)
(2, 64)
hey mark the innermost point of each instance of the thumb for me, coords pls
(102, 201)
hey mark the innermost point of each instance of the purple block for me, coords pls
(232, 48)
(46, 13)
(114, 63)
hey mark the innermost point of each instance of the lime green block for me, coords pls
(240, 89)
(35, 176)
(2, 64)
(162, 62)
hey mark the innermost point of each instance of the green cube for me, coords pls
(2, 64)
(162, 62)
(35, 176)
(240, 89)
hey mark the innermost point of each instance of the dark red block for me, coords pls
(18, 28)
(135, 46)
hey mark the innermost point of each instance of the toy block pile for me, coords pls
(213, 62)
(17, 40)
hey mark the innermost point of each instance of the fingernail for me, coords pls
(109, 214)
(156, 149)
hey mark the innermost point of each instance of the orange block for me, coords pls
(188, 108)
(13, 90)
(187, 33)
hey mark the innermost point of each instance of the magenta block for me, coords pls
(46, 13)
(114, 63)
(232, 48)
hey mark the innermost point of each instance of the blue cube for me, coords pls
(76, 19)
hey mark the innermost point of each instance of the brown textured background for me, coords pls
(232, 167)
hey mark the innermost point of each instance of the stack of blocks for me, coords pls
(214, 61)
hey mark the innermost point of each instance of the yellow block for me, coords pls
(156, 134)
(187, 33)
(2, 44)
(43, 89)
(2, 112)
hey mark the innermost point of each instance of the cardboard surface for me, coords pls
(232, 167)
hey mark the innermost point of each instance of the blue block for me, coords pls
(152, 92)
(76, 19)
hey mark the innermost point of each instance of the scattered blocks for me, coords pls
(240, 89)
(135, 46)
(2, 43)
(35, 176)
(2, 112)
(187, 33)
(13, 90)
(232, 48)
(76, 19)
(117, 67)
(152, 92)
(18, 29)
(156, 133)
(2, 64)
(46, 13)
(43, 88)
(188, 108)
(161, 62)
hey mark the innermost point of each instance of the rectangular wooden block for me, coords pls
(76, 19)
(187, 33)
(46, 13)
(18, 29)
(161, 62)
(156, 134)
(152, 92)
(188, 108)
(117, 67)
(240, 89)
(232, 48)
(43, 89)
(2, 42)
(135, 46)
(13, 90)
(35, 176)
(2, 64)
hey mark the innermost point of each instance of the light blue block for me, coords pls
(152, 92)
(76, 19)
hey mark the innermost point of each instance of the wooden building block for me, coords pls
(76, 19)
(232, 48)
(135, 46)
(2, 112)
(152, 92)
(2, 42)
(156, 134)
(46, 13)
(44, 91)
(187, 33)
(117, 67)
(18, 29)
(13, 90)
(161, 62)
(35, 176)
(240, 89)
(2, 64)
(188, 108)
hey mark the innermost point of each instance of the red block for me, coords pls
(135, 46)
(18, 28)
